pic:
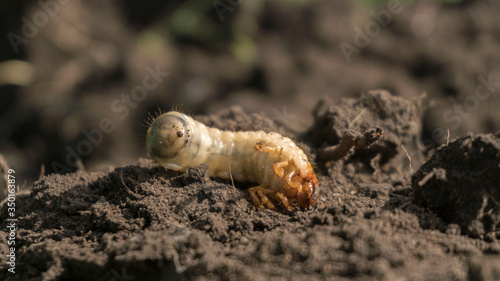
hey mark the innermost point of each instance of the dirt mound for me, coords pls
(386, 160)
(461, 183)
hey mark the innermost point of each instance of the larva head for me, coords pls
(309, 194)
(168, 139)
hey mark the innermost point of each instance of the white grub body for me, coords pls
(235, 153)
(178, 142)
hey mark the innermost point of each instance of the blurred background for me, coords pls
(79, 78)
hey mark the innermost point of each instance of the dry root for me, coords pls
(349, 141)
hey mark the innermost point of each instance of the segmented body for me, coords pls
(178, 142)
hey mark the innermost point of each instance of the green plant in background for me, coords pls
(221, 24)
(199, 22)
(192, 21)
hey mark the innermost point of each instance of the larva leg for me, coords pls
(284, 200)
(293, 180)
(255, 198)
(278, 168)
(263, 147)
(266, 200)
(261, 191)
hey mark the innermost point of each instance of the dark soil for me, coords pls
(461, 183)
(143, 222)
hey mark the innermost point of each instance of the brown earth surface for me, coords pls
(143, 222)
(407, 208)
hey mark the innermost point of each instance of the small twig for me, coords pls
(79, 165)
(448, 138)
(121, 177)
(409, 158)
(374, 163)
(493, 200)
(42, 172)
(426, 178)
(419, 101)
(356, 118)
(405, 204)
(231, 176)
(350, 140)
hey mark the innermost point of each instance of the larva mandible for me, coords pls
(177, 142)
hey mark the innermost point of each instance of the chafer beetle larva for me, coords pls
(178, 142)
